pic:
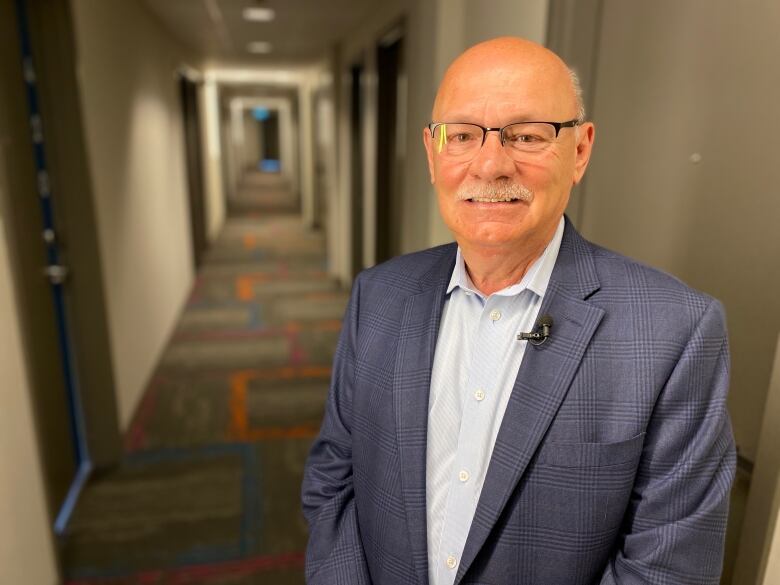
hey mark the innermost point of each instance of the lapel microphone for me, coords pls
(541, 332)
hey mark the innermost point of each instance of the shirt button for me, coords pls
(479, 395)
(452, 562)
(463, 475)
(495, 315)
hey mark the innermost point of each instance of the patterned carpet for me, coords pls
(208, 492)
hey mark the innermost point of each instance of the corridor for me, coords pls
(189, 188)
(208, 490)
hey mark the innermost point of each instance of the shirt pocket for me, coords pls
(591, 454)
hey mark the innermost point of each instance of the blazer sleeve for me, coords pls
(674, 528)
(334, 555)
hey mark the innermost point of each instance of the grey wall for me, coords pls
(684, 173)
(135, 143)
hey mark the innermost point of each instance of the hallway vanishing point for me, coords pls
(208, 490)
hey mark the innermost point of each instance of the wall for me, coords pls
(306, 150)
(761, 512)
(212, 165)
(250, 148)
(772, 574)
(684, 171)
(135, 141)
(461, 24)
(26, 547)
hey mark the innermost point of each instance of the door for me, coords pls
(390, 72)
(189, 104)
(356, 166)
(54, 247)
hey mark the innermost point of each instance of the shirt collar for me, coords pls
(535, 279)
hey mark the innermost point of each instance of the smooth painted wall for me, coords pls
(216, 208)
(26, 544)
(250, 147)
(684, 172)
(135, 143)
(772, 574)
(760, 528)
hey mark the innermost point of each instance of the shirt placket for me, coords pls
(479, 398)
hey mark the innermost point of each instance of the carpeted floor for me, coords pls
(208, 492)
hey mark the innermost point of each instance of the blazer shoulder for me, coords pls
(625, 279)
(406, 273)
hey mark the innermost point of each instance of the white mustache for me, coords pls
(495, 191)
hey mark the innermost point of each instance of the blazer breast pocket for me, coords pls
(575, 494)
(591, 454)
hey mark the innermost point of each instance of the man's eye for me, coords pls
(525, 138)
(461, 137)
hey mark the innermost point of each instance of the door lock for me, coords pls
(56, 273)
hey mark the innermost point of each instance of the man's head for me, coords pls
(494, 84)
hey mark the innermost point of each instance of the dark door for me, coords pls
(44, 304)
(389, 59)
(269, 129)
(356, 166)
(52, 238)
(189, 104)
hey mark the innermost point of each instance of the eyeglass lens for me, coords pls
(465, 140)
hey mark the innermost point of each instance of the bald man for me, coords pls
(521, 407)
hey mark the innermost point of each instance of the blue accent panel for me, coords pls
(261, 114)
(66, 511)
(270, 165)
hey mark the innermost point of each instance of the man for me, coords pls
(597, 450)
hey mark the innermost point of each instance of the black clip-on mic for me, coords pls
(537, 337)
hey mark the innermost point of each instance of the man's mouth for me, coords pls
(495, 193)
(493, 199)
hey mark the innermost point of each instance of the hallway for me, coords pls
(208, 491)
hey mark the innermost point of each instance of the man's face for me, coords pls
(494, 94)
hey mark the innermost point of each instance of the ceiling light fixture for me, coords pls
(259, 47)
(256, 14)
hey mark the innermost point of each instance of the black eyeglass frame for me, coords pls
(557, 125)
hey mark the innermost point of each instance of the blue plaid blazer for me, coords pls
(614, 459)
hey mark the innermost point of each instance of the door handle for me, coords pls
(56, 273)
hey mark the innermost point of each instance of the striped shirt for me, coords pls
(474, 369)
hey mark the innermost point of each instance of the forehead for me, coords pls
(501, 93)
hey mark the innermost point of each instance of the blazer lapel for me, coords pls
(411, 388)
(541, 385)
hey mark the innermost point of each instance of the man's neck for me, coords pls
(494, 268)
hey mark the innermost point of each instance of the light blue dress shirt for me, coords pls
(474, 369)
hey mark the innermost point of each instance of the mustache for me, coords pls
(495, 190)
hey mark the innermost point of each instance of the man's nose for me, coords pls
(492, 161)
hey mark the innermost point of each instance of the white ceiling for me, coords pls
(303, 31)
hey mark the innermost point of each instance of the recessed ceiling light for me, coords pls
(259, 47)
(256, 14)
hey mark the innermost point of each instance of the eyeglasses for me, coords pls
(461, 141)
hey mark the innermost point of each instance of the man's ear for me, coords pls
(428, 142)
(586, 133)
